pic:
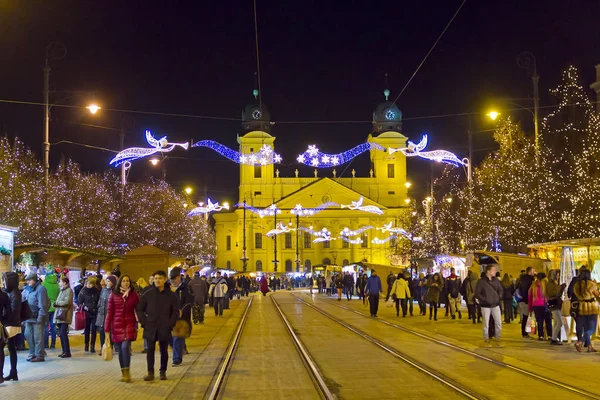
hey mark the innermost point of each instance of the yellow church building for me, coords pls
(241, 234)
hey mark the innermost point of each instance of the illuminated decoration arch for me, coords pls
(161, 145)
(416, 150)
(304, 212)
(279, 229)
(209, 207)
(351, 241)
(348, 232)
(322, 236)
(382, 241)
(261, 212)
(357, 205)
(265, 156)
(313, 157)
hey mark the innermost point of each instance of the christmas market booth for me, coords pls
(7, 240)
(77, 261)
(144, 261)
(570, 255)
(509, 263)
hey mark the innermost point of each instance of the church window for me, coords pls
(391, 170)
(307, 266)
(326, 244)
(288, 265)
(345, 262)
(391, 192)
(365, 240)
(288, 240)
(259, 265)
(345, 244)
(258, 240)
(257, 171)
(229, 265)
(307, 240)
(228, 242)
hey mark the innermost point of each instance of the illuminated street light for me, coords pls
(188, 190)
(154, 161)
(94, 108)
(408, 185)
(428, 199)
(493, 115)
(407, 201)
(422, 222)
(449, 200)
(185, 205)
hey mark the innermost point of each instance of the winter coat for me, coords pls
(525, 283)
(434, 288)
(52, 289)
(120, 319)
(420, 288)
(38, 301)
(11, 279)
(88, 298)
(4, 311)
(264, 285)
(76, 291)
(64, 300)
(400, 289)
(508, 292)
(470, 289)
(102, 305)
(348, 280)
(339, 282)
(390, 281)
(540, 298)
(373, 286)
(361, 283)
(200, 288)
(452, 286)
(218, 288)
(489, 292)
(158, 313)
(185, 298)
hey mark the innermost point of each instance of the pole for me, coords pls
(123, 177)
(298, 243)
(536, 107)
(275, 243)
(470, 134)
(46, 124)
(244, 258)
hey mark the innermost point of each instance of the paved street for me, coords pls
(267, 365)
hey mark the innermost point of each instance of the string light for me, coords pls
(357, 205)
(348, 232)
(133, 153)
(416, 150)
(323, 235)
(270, 211)
(315, 158)
(304, 212)
(209, 207)
(265, 156)
(351, 241)
(382, 241)
(281, 228)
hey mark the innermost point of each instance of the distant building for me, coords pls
(261, 186)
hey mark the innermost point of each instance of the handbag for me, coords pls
(61, 314)
(182, 327)
(554, 304)
(13, 331)
(107, 353)
(390, 302)
(80, 319)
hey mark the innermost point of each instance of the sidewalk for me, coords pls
(86, 374)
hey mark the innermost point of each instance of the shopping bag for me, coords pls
(80, 320)
(390, 302)
(531, 326)
(107, 353)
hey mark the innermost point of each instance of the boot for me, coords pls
(126, 375)
(149, 377)
(12, 376)
(163, 375)
(459, 315)
(87, 347)
(430, 314)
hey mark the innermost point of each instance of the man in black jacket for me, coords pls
(199, 286)
(185, 300)
(158, 312)
(525, 283)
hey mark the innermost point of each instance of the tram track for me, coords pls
(515, 369)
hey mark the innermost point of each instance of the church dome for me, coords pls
(256, 116)
(387, 116)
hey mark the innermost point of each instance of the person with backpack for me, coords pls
(12, 323)
(39, 303)
(63, 315)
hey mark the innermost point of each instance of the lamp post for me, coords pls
(527, 61)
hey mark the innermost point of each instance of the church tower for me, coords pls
(389, 170)
(256, 181)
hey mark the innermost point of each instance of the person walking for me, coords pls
(264, 286)
(12, 323)
(390, 283)
(185, 299)
(373, 289)
(339, 285)
(575, 303)
(349, 285)
(507, 298)
(586, 291)
(420, 291)
(158, 312)
(143, 292)
(474, 309)
(218, 291)
(105, 293)
(434, 288)
(525, 282)
(453, 294)
(488, 293)
(554, 292)
(538, 305)
(121, 321)
(400, 293)
(63, 315)
(52, 289)
(199, 287)
(38, 302)
(88, 300)
(5, 313)
(360, 287)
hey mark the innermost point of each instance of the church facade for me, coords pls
(241, 234)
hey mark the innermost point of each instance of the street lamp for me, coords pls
(154, 161)
(188, 190)
(93, 108)
(408, 185)
(493, 115)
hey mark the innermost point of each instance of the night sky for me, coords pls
(319, 61)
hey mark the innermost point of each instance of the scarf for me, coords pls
(125, 293)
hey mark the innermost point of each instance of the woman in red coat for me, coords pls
(264, 285)
(121, 321)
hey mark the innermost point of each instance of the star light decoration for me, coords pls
(279, 229)
(315, 158)
(265, 156)
(161, 145)
(207, 208)
(306, 212)
(395, 231)
(357, 205)
(270, 211)
(348, 232)
(416, 150)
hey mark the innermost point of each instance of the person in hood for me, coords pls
(185, 299)
(51, 285)
(470, 285)
(12, 323)
(264, 285)
(373, 289)
(88, 300)
(488, 293)
(218, 291)
(37, 299)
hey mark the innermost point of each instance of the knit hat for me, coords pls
(31, 277)
(112, 279)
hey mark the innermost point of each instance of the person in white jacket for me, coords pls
(400, 293)
(218, 290)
